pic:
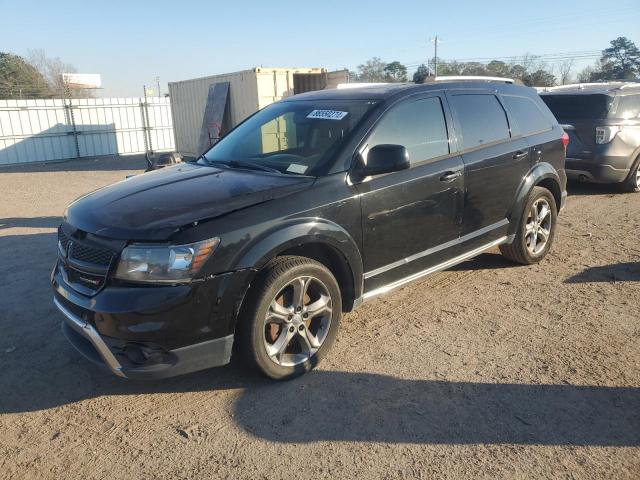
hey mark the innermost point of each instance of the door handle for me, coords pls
(520, 155)
(450, 176)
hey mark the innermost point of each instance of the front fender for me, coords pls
(537, 174)
(298, 232)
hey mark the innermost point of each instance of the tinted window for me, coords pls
(417, 125)
(482, 119)
(578, 106)
(528, 116)
(627, 107)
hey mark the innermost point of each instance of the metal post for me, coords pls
(72, 120)
(145, 123)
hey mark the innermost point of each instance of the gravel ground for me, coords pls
(488, 370)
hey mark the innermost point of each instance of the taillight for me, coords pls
(606, 134)
(565, 140)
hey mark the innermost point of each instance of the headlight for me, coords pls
(162, 263)
(606, 134)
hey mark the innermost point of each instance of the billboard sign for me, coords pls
(82, 80)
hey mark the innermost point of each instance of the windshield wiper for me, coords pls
(238, 164)
(252, 166)
(213, 163)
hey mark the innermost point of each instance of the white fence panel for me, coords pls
(40, 130)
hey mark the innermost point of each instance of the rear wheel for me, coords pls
(291, 317)
(536, 230)
(632, 183)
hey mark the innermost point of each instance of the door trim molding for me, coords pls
(437, 248)
(436, 268)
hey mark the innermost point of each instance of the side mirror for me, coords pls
(383, 159)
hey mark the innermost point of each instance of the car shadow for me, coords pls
(366, 407)
(616, 272)
(343, 406)
(575, 188)
(109, 163)
(31, 222)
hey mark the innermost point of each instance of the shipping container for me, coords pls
(250, 90)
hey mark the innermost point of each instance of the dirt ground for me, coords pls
(488, 370)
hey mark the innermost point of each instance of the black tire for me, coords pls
(519, 250)
(632, 183)
(252, 332)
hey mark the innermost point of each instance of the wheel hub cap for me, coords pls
(538, 226)
(297, 321)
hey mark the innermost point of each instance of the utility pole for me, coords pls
(158, 85)
(435, 55)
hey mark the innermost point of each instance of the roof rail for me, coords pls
(341, 86)
(455, 78)
(580, 86)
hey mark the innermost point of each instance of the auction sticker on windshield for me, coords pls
(328, 114)
(296, 168)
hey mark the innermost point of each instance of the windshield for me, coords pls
(587, 107)
(296, 137)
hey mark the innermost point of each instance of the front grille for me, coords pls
(85, 262)
(90, 254)
(63, 238)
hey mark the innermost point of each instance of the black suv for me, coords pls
(603, 123)
(309, 207)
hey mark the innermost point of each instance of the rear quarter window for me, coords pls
(627, 107)
(527, 114)
(482, 119)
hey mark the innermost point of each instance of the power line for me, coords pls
(536, 25)
(544, 23)
(544, 58)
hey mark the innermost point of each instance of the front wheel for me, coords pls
(290, 318)
(536, 230)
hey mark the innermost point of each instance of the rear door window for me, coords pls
(418, 125)
(482, 119)
(527, 115)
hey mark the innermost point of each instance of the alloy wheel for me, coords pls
(538, 226)
(297, 321)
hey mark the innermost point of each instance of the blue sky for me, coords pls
(129, 43)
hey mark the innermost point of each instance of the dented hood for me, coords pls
(154, 205)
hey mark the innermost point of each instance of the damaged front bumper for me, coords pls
(154, 332)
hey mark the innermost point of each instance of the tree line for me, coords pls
(620, 61)
(36, 76)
